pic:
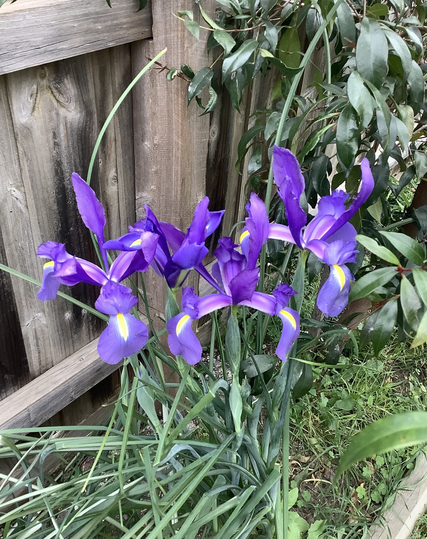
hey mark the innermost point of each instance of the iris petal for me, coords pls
(333, 296)
(123, 337)
(182, 340)
(290, 331)
(291, 184)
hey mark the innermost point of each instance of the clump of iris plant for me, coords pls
(235, 274)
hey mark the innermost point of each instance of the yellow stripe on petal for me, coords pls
(290, 318)
(341, 276)
(136, 243)
(123, 327)
(181, 323)
(244, 235)
(49, 264)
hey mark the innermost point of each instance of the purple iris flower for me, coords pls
(188, 250)
(239, 282)
(64, 268)
(124, 335)
(329, 235)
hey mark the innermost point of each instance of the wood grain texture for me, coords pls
(35, 32)
(52, 391)
(50, 119)
(171, 139)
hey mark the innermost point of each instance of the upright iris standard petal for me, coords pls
(333, 296)
(290, 181)
(90, 209)
(256, 231)
(366, 187)
(125, 335)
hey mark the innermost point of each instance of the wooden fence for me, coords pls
(63, 65)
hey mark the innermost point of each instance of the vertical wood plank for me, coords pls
(171, 139)
(51, 117)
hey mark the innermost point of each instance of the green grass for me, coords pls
(340, 404)
(420, 530)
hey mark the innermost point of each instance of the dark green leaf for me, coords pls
(393, 432)
(379, 327)
(347, 28)
(416, 83)
(398, 4)
(421, 336)
(409, 248)
(208, 19)
(199, 82)
(410, 302)
(194, 28)
(246, 138)
(172, 73)
(235, 87)
(377, 10)
(213, 98)
(406, 178)
(233, 344)
(348, 136)
(318, 175)
(238, 58)
(272, 35)
(420, 279)
(142, 4)
(305, 380)
(369, 282)
(378, 250)
(400, 48)
(372, 52)
(415, 36)
(225, 40)
(263, 361)
(420, 159)
(360, 98)
(289, 48)
(420, 217)
(187, 71)
(186, 13)
(314, 20)
(267, 5)
(272, 124)
(284, 69)
(314, 266)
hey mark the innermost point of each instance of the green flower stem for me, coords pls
(285, 469)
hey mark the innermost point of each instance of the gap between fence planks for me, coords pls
(35, 32)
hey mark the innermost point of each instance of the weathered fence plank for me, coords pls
(171, 139)
(50, 392)
(34, 32)
(50, 118)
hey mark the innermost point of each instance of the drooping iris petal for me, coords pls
(280, 232)
(333, 296)
(261, 302)
(243, 285)
(128, 242)
(255, 233)
(182, 340)
(190, 255)
(90, 209)
(290, 181)
(290, 331)
(123, 337)
(50, 285)
(366, 187)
